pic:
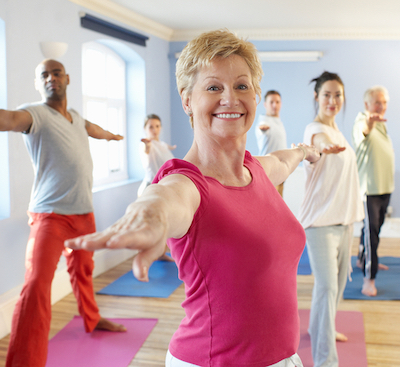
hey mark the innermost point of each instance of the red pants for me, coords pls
(32, 314)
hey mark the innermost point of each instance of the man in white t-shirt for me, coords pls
(60, 208)
(270, 132)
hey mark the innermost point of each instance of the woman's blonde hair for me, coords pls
(202, 50)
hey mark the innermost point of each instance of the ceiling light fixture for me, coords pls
(285, 56)
(290, 56)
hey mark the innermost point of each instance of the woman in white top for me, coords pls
(331, 205)
(153, 152)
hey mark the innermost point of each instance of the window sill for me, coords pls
(113, 185)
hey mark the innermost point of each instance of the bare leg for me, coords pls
(369, 288)
(108, 325)
(383, 267)
(341, 337)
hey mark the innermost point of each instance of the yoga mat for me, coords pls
(387, 281)
(304, 264)
(72, 346)
(352, 353)
(163, 280)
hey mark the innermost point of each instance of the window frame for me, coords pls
(119, 104)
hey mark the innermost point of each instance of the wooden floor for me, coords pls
(381, 318)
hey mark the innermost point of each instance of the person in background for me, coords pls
(153, 152)
(207, 205)
(60, 207)
(332, 203)
(270, 132)
(375, 162)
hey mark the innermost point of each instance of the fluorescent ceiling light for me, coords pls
(290, 56)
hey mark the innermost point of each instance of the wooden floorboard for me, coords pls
(381, 318)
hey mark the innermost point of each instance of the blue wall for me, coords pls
(360, 64)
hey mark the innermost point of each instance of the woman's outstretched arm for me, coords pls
(280, 164)
(164, 210)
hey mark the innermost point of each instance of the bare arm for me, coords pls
(280, 164)
(147, 145)
(164, 210)
(97, 132)
(325, 145)
(370, 122)
(15, 120)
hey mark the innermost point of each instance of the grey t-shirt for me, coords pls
(61, 160)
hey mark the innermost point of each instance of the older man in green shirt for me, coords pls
(375, 161)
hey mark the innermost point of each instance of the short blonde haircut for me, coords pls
(202, 50)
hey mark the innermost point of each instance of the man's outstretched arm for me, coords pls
(97, 132)
(15, 120)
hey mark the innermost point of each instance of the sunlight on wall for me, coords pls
(135, 103)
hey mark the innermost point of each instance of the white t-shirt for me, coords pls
(274, 138)
(159, 153)
(332, 194)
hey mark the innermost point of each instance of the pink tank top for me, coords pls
(239, 263)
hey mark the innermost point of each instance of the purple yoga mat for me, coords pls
(72, 346)
(351, 353)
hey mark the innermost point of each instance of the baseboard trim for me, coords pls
(61, 287)
(389, 229)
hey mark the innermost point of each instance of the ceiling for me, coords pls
(183, 19)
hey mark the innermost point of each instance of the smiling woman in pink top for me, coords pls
(225, 222)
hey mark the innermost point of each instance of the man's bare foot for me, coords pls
(383, 267)
(165, 257)
(341, 337)
(108, 325)
(369, 288)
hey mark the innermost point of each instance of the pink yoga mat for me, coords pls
(351, 353)
(72, 346)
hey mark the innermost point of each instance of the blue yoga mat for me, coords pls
(387, 281)
(304, 264)
(163, 280)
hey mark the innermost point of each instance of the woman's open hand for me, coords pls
(333, 149)
(142, 228)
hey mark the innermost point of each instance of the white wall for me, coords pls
(28, 23)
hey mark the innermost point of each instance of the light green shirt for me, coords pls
(375, 158)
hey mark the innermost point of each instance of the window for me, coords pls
(104, 103)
